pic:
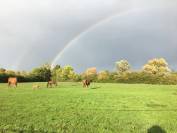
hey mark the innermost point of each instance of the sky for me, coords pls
(86, 33)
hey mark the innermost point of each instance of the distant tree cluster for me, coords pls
(65, 73)
(156, 66)
(40, 74)
(155, 71)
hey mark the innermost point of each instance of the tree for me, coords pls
(103, 75)
(24, 73)
(42, 73)
(65, 73)
(90, 73)
(10, 72)
(2, 70)
(156, 66)
(122, 66)
(56, 67)
(54, 72)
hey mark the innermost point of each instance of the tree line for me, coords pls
(155, 71)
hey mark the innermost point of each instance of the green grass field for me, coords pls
(103, 108)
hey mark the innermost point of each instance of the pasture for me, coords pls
(103, 108)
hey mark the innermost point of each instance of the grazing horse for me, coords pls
(86, 83)
(12, 81)
(51, 83)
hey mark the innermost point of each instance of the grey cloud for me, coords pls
(137, 37)
(38, 30)
(33, 32)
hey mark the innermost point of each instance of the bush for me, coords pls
(141, 77)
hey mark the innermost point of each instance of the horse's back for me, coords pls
(12, 80)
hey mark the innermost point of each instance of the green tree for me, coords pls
(54, 72)
(65, 73)
(56, 67)
(42, 73)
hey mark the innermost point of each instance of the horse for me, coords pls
(86, 83)
(12, 81)
(51, 83)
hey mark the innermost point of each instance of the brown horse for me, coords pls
(86, 83)
(12, 81)
(51, 83)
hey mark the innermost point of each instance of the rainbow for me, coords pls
(92, 27)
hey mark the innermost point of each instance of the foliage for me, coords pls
(156, 66)
(65, 74)
(2, 70)
(54, 72)
(42, 73)
(142, 77)
(156, 71)
(122, 66)
(90, 73)
(103, 75)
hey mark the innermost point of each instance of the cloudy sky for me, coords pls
(86, 33)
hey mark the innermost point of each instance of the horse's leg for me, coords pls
(50, 85)
(8, 84)
(16, 84)
(85, 85)
(88, 85)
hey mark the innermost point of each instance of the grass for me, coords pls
(103, 108)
